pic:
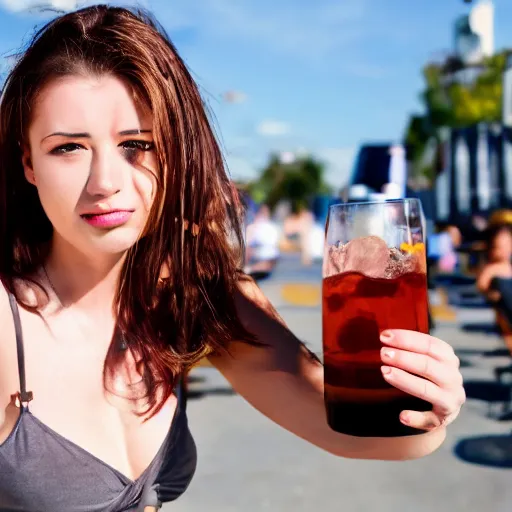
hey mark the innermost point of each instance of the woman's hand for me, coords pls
(425, 367)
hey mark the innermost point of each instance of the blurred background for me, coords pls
(353, 100)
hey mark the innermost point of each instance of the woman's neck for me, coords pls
(80, 280)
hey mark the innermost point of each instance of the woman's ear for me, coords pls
(28, 169)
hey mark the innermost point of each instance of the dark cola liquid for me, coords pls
(356, 309)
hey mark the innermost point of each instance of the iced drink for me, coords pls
(367, 288)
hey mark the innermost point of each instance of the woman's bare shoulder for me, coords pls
(5, 310)
(5, 315)
(8, 357)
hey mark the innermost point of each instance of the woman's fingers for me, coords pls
(421, 420)
(420, 343)
(445, 402)
(427, 368)
(441, 374)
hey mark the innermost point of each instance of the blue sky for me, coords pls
(320, 76)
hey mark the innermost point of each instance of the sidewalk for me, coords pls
(247, 463)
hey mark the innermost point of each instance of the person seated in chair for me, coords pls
(495, 279)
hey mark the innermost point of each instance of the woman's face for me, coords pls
(501, 246)
(90, 154)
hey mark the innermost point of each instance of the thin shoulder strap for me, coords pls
(24, 395)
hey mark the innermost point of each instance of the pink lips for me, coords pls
(110, 219)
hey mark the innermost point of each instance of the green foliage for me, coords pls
(416, 136)
(297, 182)
(435, 97)
(455, 97)
(454, 103)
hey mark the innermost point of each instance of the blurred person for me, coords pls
(495, 278)
(449, 239)
(297, 230)
(315, 242)
(474, 237)
(441, 247)
(262, 243)
(119, 271)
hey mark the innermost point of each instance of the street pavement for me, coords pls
(247, 463)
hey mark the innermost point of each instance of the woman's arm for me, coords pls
(483, 283)
(484, 278)
(284, 381)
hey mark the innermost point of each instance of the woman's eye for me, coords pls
(134, 149)
(65, 148)
(141, 145)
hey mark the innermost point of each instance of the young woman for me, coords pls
(120, 264)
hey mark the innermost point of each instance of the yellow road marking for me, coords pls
(302, 294)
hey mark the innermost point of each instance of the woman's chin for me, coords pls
(113, 243)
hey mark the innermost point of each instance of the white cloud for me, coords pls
(307, 28)
(60, 5)
(273, 128)
(318, 31)
(314, 29)
(339, 163)
(323, 33)
(67, 5)
(21, 5)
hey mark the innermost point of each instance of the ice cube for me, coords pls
(401, 263)
(335, 261)
(367, 255)
(398, 264)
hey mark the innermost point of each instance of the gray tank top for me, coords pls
(41, 471)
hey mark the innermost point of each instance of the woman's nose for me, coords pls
(105, 177)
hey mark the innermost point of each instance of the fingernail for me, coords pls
(386, 336)
(404, 418)
(387, 353)
(386, 370)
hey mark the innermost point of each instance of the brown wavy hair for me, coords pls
(176, 292)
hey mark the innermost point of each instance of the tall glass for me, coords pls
(374, 278)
